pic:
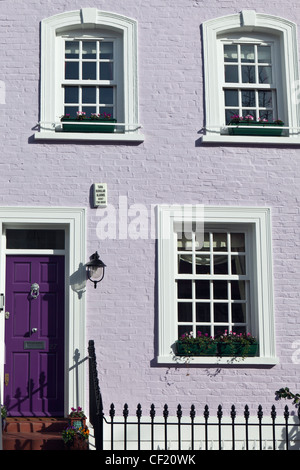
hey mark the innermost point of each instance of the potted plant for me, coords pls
(3, 416)
(236, 345)
(201, 345)
(262, 126)
(77, 418)
(76, 438)
(82, 123)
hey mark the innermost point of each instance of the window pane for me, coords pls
(71, 94)
(247, 53)
(238, 290)
(89, 70)
(248, 74)
(229, 113)
(71, 70)
(220, 242)
(238, 264)
(205, 246)
(230, 53)
(202, 312)
(248, 98)
(89, 50)
(71, 110)
(203, 329)
(35, 239)
(221, 313)
(106, 71)
(106, 50)
(184, 241)
(231, 98)
(265, 99)
(202, 264)
(264, 54)
(237, 242)
(185, 264)
(185, 312)
(238, 312)
(220, 290)
(182, 329)
(106, 95)
(231, 74)
(184, 288)
(106, 110)
(250, 112)
(89, 110)
(265, 74)
(220, 265)
(202, 290)
(72, 50)
(268, 115)
(89, 94)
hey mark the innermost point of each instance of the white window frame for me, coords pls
(249, 23)
(86, 20)
(258, 221)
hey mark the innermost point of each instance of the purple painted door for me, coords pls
(34, 336)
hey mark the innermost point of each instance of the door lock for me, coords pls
(7, 315)
(33, 330)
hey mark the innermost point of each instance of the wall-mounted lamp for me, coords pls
(95, 269)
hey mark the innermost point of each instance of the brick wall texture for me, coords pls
(170, 166)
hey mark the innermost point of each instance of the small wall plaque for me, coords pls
(100, 194)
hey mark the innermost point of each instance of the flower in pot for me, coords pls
(77, 418)
(76, 439)
(3, 416)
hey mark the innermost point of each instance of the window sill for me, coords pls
(73, 136)
(213, 360)
(230, 139)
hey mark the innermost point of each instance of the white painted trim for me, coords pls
(250, 22)
(239, 139)
(74, 221)
(256, 218)
(50, 27)
(64, 136)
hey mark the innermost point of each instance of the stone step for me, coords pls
(34, 434)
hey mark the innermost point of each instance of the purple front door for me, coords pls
(34, 336)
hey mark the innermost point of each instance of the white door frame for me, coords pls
(73, 221)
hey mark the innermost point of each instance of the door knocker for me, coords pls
(34, 290)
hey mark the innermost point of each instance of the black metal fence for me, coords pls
(196, 431)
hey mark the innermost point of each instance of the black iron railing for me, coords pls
(196, 431)
(95, 399)
(206, 433)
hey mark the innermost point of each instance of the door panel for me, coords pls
(34, 336)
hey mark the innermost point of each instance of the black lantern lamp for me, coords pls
(95, 269)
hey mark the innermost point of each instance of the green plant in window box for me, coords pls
(236, 344)
(261, 127)
(201, 345)
(223, 344)
(88, 124)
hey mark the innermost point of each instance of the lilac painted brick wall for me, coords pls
(171, 166)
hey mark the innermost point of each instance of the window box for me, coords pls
(264, 128)
(237, 350)
(84, 126)
(216, 349)
(184, 349)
